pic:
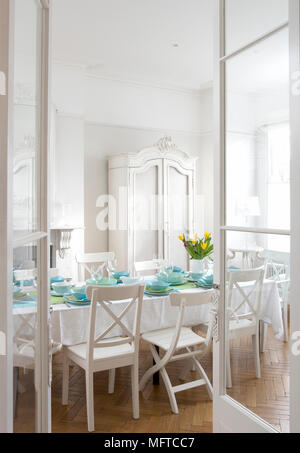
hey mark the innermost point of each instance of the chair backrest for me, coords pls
(255, 277)
(277, 263)
(23, 275)
(192, 299)
(105, 296)
(154, 266)
(92, 262)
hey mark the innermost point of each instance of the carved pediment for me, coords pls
(165, 148)
(166, 144)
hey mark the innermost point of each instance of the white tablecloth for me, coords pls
(70, 325)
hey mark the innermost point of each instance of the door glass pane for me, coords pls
(27, 62)
(247, 20)
(178, 195)
(147, 215)
(258, 135)
(257, 325)
(24, 337)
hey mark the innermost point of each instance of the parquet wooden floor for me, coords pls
(268, 397)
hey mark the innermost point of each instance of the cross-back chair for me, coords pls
(25, 275)
(243, 318)
(278, 270)
(149, 267)
(176, 339)
(102, 352)
(92, 263)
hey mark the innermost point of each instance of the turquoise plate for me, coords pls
(55, 294)
(26, 301)
(78, 303)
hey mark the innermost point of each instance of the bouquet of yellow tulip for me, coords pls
(198, 248)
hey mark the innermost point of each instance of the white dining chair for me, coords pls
(278, 270)
(148, 267)
(102, 353)
(24, 353)
(25, 275)
(176, 339)
(92, 263)
(243, 318)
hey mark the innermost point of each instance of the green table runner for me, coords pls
(188, 285)
(60, 300)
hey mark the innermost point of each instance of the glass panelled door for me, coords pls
(28, 341)
(253, 214)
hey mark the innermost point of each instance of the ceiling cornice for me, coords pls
(136, 83)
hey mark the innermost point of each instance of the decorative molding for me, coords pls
(164, 149)
(137, 83)
(158, 86)
(149, 129)
(166, 144)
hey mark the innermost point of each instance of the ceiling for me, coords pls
(165, 42)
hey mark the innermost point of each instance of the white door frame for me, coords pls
(7, 243)
(295, 220)
(229, 415)
(6, 366)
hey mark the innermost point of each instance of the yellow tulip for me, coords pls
(204, 246)
(196, 236)
(181, 237)
(207, 235)
(194, 242)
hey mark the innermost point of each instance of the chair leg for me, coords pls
(135, 391)
(111, 381)
(263, 336)
(255, 342)
(89, 379)
(285, 322)
(65, 381)
(170, 390)
(203, 375)
(228, 367)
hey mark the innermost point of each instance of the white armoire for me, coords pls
(152, 202)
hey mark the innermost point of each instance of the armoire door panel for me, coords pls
(148, 212)
(179, 211)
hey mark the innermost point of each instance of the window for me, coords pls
(278, 202)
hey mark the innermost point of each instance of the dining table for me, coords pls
(69, 324)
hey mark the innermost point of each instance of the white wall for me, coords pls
(98, 117)
(127, 117)
(67, 160)
(103, 140)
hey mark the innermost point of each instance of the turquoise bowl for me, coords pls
(209, 278)
(157, 285)
(102, 282)
(118, 275)
(173, 279)
(57, 279)
(196, 277)
(76, 292)
(175, 270)
(61, 288)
